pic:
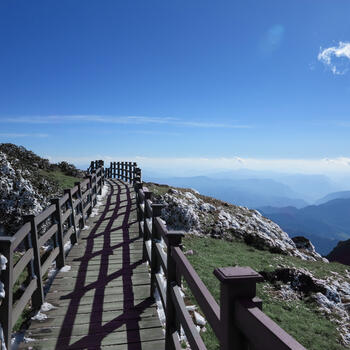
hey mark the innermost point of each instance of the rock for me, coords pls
(303, 243)
(23, 188)
(195, 214)
(189, 252)
(341, 253)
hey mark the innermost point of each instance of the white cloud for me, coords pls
(337, 58)
(197, 165)
(53, 119)
(15, 135)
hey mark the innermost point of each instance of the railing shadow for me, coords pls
(130, 314)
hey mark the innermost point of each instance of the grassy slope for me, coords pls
(298, 318)
(63, 181)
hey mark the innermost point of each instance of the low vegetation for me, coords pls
(62, 180)
(300, 317)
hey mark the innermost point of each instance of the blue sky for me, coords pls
(199, 84)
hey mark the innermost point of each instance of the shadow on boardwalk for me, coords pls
(103, 300)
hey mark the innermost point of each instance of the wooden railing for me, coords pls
(238, 322)
(58, 224)
(126, 171)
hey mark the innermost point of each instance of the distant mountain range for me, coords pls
(334, 195)
(251, 193)
(324, 224)
(285, 199)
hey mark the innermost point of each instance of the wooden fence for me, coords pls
(238, 322)
(40, 242)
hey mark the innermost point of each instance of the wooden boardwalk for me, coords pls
(103, 301)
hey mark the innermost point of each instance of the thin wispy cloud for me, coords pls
(119, 120)
(180, 165)
(336, 58)
(18, 135)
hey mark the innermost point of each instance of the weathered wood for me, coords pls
(7, 279)
(22, 263)
(205, 300)
(38, 294)
(190, 329)
(60, 261)
(23, 301)
(103, 300)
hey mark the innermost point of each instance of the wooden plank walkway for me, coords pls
(103, 301)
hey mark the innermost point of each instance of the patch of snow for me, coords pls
(191, 307)
(45, 307)
(200, 320)
(39, 317)
(28, 340)
(67, 246)
(65, 268)
(2, 291)
(2, 339)
(160, 309)
(3, 262)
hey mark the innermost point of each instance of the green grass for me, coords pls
(63, 181)
(299, 318)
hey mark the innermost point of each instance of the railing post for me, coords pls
(74, 236)
(101, 181)
(138, 186)
(90, 193)
(134, 171)
(38, 295)
(130, 172)
(7, 279)
(171, 323)
(81, 204)
(118, 173)
(146, 237)
(60, 260)
(155, 264)
(235, 283)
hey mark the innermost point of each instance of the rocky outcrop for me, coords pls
(331, 295)
(23, 188)
(187, 210)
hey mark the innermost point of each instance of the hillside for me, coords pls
(341, 253)
(27, 183)
(333, 195)
(302, 292)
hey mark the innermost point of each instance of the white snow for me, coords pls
(200, 320)
(191, 307)
(2, 291)
(160, 309)
(3, 262)
(67, 246)
(39, 316)
(45, 307)
(65, 268)
(2, 339)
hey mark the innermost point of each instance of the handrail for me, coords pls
(237, 322)
(72, 209)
